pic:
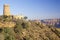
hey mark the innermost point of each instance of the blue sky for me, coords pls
(33, 9)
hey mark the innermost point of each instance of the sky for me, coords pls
(33, 9)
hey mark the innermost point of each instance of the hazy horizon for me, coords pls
(33, 9)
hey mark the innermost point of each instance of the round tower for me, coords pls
(6, 10)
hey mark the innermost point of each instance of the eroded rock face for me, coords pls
(54, 22)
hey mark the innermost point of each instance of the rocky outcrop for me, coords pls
(7, 24)
(30, 30)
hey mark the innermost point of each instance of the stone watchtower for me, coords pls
(6, 10)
